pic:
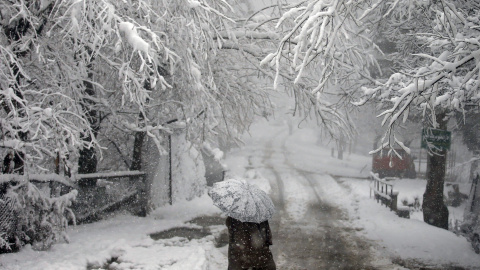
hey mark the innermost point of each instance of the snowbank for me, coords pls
(124, 241)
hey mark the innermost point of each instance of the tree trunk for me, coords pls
(139, 138)
(376, 139)
(87, 161)
(340, 152)
(435, 212)
(14, 33)
(137, 151)
(144, 188)
(341, 147)
(474, 167)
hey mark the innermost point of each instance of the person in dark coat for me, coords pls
(249, 245)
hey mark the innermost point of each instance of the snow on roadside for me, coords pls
(125, 237)
(408, 239)
(174, 253)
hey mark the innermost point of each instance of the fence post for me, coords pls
(393, 203)
(170, 177)
(419, 161)
(144, 196)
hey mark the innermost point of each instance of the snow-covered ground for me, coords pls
(123, 241)
(126, 238)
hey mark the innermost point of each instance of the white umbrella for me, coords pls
(241, 200)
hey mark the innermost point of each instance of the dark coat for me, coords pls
(249, 245)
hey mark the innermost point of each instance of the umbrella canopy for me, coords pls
(241, 200)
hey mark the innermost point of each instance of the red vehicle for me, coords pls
(393, 166)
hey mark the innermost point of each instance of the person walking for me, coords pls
(249, 245)
(248, 210)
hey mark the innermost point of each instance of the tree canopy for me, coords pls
(437, 45)
(68, 68)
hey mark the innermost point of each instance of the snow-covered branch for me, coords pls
(437, 53)
(67, 65)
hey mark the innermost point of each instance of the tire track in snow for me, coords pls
(320, 239)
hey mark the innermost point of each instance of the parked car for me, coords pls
(475, 238)
(471, 230)
(392, 165)
(471, 224)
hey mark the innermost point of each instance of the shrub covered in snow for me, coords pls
(32, 217)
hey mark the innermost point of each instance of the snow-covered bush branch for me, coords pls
(36, 219)
(323, 47)
(447, 76)
(323, 34)
(436, 55)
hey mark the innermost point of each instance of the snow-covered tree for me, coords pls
(335, 39)
(442, 83)
(69, 68)
(74, 74)
(437, 73)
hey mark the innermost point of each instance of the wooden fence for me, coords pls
(110, 191)
(98, 193)
(383, 193)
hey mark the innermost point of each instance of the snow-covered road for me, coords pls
(309, 233)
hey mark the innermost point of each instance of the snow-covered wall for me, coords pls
(188, 171)
(156, 167)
